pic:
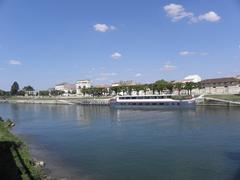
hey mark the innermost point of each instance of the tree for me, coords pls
(145, 88)
(21, 93)
(116, 89)
(43, 93)
(179, 86)
(84, 91)
(161, 85)
(129, 90)
(189, 86)
(152, 87)
(170, 87)
(4, 93)
(14, 89)
(56, 93)
(137, 88)
(28, 88)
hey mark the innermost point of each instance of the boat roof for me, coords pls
(145, 95)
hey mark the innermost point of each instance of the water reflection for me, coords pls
(105, 143)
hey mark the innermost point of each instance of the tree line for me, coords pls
(28, 90)
(159, 86)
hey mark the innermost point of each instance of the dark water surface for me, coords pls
(101, 143)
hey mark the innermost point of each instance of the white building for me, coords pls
(66, 87)
(124, 83)
(81, 84)
(192, 78)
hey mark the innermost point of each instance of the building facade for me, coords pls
(81, 84)
(65, 87)
(228, 85)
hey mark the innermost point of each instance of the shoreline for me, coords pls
(15, 156)
(206, 101)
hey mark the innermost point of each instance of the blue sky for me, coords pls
(50, 41)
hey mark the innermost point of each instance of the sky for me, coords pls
(46, 42)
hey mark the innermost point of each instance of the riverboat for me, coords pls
(151, 101)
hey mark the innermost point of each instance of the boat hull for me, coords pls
(150, 105)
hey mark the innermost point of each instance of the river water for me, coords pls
(93, 142)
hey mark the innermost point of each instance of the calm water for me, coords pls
(101, 143)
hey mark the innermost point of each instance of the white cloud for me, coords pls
(138, 75)
(168, 67)
(191, 53)
(116, 55)
(186, 53)
(103, 27)
(211, 16)
(177, 12)
(15, 62)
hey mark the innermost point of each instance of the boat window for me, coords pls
(154, 104)
(161, 104)
(127, 98)
(178, 104)
(173, 104)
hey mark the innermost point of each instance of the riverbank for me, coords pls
(207, 100)
(57, 100)
(15, 160)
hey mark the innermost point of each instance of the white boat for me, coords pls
(150, 101)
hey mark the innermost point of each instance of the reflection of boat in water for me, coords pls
(150, 101)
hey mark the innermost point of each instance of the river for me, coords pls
(97, 142)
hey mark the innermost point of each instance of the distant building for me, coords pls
(226, 85)
(192, 78)
(124, 83)
(66, 87)
(82, 84)
(103, 86)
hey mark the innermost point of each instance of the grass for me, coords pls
(181, 97)
(15, 159)
(226, 97)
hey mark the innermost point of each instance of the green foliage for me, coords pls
(189, 86)
(14, 89)
(161, 85)
(21, 93)
(179, 86)
(43, 93)
(28, 88)
(4, 93)
(138, 88)
(116, 89)
(20, 153)
(56, 93)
